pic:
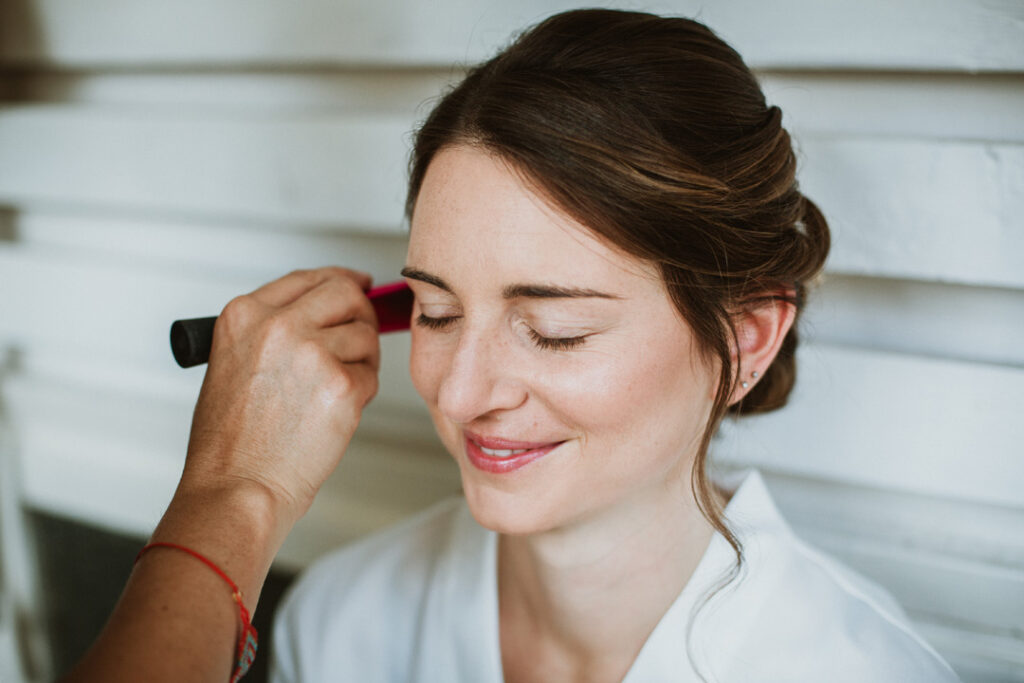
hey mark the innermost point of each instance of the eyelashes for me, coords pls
(555, 343)
(434, 323)
(549, 343)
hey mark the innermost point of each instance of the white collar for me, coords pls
(464, 609)
(664, 656)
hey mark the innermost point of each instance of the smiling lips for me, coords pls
(499, 456)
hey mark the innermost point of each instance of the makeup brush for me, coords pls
(191, 339)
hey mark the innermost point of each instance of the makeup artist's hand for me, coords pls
(291, 368)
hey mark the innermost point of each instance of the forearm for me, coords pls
(176, 619)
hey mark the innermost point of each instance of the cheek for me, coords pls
(424, 368)
(594, 393)
(657, 397)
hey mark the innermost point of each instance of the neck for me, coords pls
(592, 592)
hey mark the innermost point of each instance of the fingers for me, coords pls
(287, 289)
(341, 363)
(334, 301)
(303, 299)
(360, 381)
(352, 343)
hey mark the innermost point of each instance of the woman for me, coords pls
(608, 250)
(609, 253)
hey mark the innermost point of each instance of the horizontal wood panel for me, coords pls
(935, 319)
(951, 34)
(920, 209)
(118, 315)
(923, 524)
(341, 90)
(114, 313)
(937, 105)
(913, 105)
(892, 421)
(315, 169)
(906, 219)
(225, 250)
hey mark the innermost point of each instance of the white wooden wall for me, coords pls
(158, 158)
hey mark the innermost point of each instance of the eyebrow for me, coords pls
(422, 276)
(528, 291)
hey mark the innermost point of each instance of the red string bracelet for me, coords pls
(248, 641)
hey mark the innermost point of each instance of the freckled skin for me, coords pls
(630, 402)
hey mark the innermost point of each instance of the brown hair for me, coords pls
(654, 134)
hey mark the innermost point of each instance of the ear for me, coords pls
(759, 334)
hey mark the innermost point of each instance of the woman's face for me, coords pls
(558, 373)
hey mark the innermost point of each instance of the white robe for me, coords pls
(418, 603)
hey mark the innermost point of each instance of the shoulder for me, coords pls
(810, 617)
(836, 624)
(349, 603)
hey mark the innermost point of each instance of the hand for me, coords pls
(291, 368)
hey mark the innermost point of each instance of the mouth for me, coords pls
(501, 456)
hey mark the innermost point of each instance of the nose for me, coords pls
(481, 378)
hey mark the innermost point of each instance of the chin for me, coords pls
(506, 512)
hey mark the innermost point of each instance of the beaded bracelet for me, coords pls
(249, 639)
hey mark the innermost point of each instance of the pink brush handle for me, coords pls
(393, 304)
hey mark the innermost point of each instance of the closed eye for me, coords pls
(556, 343)
(549, 343)
(435, 323)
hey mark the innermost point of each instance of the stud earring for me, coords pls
(755, 374)
(745, 385)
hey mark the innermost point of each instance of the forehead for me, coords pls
(475, 211)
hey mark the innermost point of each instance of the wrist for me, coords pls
(239, 526)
